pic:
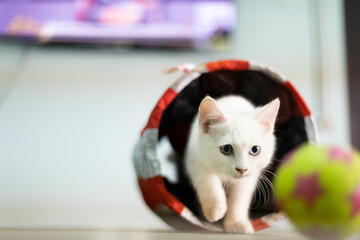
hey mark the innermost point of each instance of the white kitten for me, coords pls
(230, 143)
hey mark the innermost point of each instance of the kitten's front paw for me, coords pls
(214, 212)
(232, 226)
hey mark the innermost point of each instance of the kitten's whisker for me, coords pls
(273, 195)
(258, 193)
(270, 172)
(268, 180)
(271, 184)
(262, 187)
(256, 197)
(270, 190)
(267, 199)
(262, 192)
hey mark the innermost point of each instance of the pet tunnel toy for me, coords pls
(176, 202)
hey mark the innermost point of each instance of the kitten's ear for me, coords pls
(268, 113)
(209, 114)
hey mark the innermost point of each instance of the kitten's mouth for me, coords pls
(239, 175)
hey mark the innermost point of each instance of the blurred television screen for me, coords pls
(171, 23)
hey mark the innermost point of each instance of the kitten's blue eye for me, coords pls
(255, 150)
(226, 149)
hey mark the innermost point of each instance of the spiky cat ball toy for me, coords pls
(319, 189)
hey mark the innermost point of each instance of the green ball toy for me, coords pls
(319, 190)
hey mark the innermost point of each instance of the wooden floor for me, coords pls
(132, 234)
(139, 235)
(283, 230)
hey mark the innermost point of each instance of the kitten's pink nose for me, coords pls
(240, 170)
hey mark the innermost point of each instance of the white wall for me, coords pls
(69, 117)
(305, 41)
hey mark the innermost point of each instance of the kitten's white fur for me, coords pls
(222, 190)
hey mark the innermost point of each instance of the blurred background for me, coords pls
(79, 78)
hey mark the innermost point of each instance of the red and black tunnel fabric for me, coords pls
(176, 202)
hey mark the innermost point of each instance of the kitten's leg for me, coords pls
(239, 199)
(212, 196)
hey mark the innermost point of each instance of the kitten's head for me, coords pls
(237, 143)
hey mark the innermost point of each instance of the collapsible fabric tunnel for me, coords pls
(176, 202)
